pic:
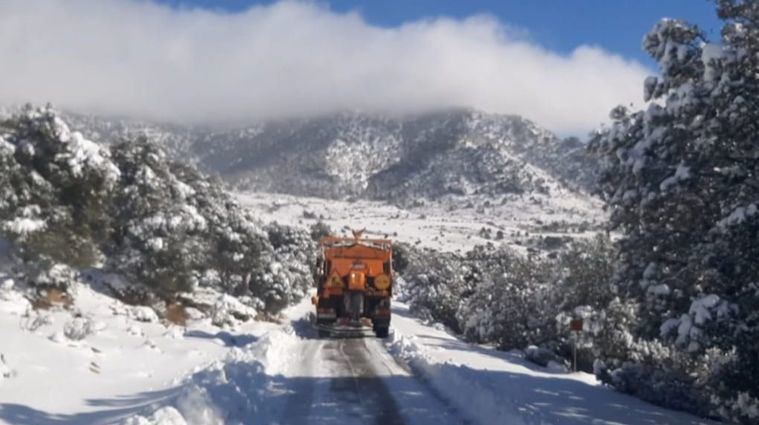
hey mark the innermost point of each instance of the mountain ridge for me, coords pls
(455, 152)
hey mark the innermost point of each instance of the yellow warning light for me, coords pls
(382, 282)
(335, 281)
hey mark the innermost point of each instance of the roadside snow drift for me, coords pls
(488, 386)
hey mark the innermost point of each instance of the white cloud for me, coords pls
(141, 59)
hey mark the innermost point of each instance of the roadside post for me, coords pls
(575, 327)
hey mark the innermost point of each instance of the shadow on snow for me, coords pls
(248, 395)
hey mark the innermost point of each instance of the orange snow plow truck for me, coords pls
(354, 280)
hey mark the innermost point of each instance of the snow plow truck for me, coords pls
(354, 280)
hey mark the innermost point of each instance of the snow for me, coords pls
(84, 153)
(184, 190)
(143, 314)
(163, 416)
(682, 173)
(97, 364)
(26, 222)
(661, 289)
(12, 302)
(227, 310)
(444, 226)
(101, 361)
(6, 148)
(284, 377)
(684, 329)
(738, 215)
(747, 405)
(23, 226)
(711, 53)
(489, 386)
(92, 363)
(78, 329)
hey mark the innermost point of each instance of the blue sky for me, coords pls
(559, 25)
(563, 64)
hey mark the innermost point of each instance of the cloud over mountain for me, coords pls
(293, 58)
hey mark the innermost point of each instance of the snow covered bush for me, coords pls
(52, 276)
(228, 311)
(143, 313)
(582, 274)
(581, 288)
(682, 182)
(79, 328)
(32, 320)
(174, 226)
(498, 296)
(54, 188)
(289, 274)
(319, 230)
(435, 284)
(510, 304)
(67, 203)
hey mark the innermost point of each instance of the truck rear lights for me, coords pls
(356, 281)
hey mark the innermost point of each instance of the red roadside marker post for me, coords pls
(575, 327)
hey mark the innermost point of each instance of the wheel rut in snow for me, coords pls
(364, 388)
(340, 382)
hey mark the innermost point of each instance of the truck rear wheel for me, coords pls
(382, 331)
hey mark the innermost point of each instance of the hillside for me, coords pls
(431, 156)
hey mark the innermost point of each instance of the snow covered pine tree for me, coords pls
(681, 183)
(68, 204)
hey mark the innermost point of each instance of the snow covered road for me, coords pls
(354, 381)
(269, 373)
(424, 375)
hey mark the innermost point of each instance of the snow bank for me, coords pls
(459, 388)
(11, 301)
(241, 388)
(143, 314)
(54, 362)
(162, 416)
(487, 386)
(224, 310)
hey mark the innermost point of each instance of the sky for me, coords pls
(563, 64)
(560, 25)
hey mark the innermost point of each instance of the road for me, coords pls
(355, 381)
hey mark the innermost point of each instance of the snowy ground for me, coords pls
(134, 372)
(489, 386)
(288, 376)
(121, 365)
(99, 361)
(447, 225)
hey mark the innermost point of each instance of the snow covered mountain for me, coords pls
(449, 153)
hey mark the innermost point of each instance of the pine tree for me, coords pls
(681, 183)
(67, 203)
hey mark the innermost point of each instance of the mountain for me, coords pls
(448, 153)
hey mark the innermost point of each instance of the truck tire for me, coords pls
(382, 331)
